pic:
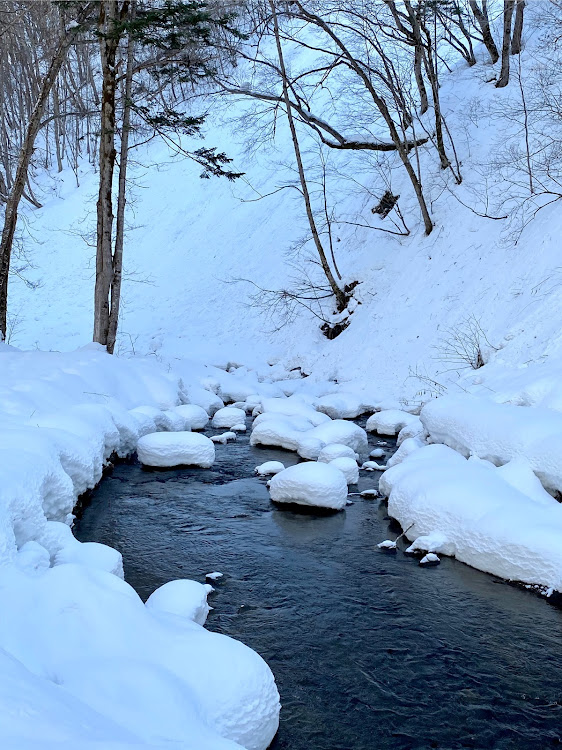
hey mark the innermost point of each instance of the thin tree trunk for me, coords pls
(506, 43)
(481, 16)
(121, 198)
(339, 294)
(18, 185)
(109, 42)
(418, 59)
(517, 28)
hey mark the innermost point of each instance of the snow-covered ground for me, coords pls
(83, 662)
(478, 474)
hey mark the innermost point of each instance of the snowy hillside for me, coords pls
(191, 239)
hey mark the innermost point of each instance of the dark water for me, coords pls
(369, 650)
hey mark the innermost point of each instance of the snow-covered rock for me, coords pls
(312, 484)
(377, 453)
(408, 446)
(268, 468)
(196, 418)
(336, 450)
(499, 433)
(341, 432)
(228, 416)
(414, 428)
(239, 427)
(341, 405)
(390, 422)
(348, 466)
(205, 399)
(166, 449)
(430, 559)
(182, 598)
(509, 528)
(224, 438)
(372, 466)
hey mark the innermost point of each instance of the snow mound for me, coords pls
(390, 422)
(312, 484)
(196, 418)
(502, 527)
(182, 598)
(269, 467)
(413, 429)
(408, 446)
(239, 427)
(499, 433)
(336, 450)
(348, 466)
(205, 399)
(341, 432)
(166, 449)
(340, 405)
(228, 417)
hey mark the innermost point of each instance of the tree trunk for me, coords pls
(18, 185)
(506, 43)
(418, 59)
(121, 198)
(481, 16)
(109, 42)
(517, 28)
(339, 294)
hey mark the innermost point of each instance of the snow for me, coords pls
(239, 427)
(372, 466)
(181, 598)
(269, 467)
(224, 438)
(499, 433)
(336, 450)
(79, 651)
(228, 417)
(196, 418)
(214, 576)
(165, 449)
(390, 422)
(341, 405)
(508, 528)
(348, 467)
(377, 453)
(430, 559)
(311, 484)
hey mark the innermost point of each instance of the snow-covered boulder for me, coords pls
(342, 432)
(348, 466)
(196, 418)
(336, 450)
(413, 429)
(312, 484)
(205, 399)
(408, 446)
(228, 417)
(390, 422)
(268, 468)
(166, 449)
(182, 598)
(340, 405)
(160, 419)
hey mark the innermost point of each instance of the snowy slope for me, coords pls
(190, 237)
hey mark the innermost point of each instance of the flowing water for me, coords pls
(370, 651)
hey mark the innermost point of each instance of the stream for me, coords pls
(369, 650)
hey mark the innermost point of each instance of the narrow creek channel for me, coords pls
(370, 651)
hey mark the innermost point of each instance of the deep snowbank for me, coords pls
(79, 650)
